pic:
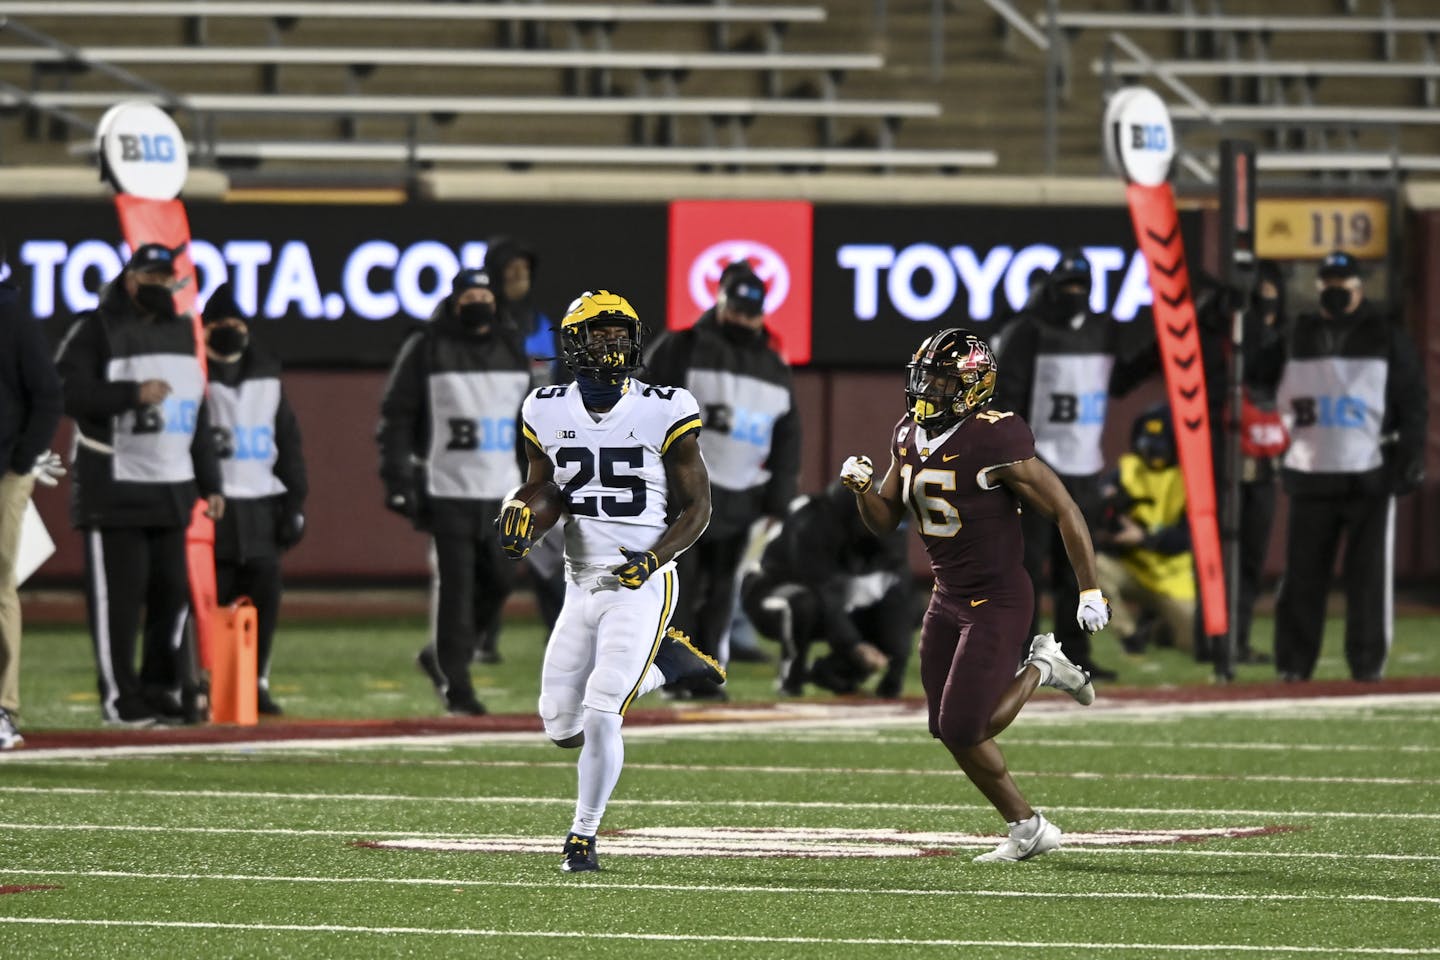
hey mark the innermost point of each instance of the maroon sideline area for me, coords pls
(288, 729)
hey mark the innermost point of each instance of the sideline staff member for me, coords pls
(751, 444)
(258, 441)
(1354, 397)
(133, 384)
(447, 457)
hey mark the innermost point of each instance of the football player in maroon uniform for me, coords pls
(961, 471)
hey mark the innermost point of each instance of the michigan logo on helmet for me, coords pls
(950, 377)
(601, 337)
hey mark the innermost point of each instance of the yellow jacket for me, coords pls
(1160, 503)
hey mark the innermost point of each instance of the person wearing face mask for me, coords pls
(258, 440)
(145, 452)
(448, 454)
(513, 264)
(1059, 364)
(1262, 435)
(751, 445)
(1354, 398)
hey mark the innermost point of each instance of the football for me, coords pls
(545, 501)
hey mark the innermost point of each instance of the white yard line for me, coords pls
(709, 803)
(747, 769)
(861, 719)
(715, 888)
(569, 934)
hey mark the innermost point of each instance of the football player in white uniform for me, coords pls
(626, 456)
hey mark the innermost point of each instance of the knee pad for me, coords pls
(560, 723)
(607, 689)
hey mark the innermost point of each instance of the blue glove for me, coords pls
(637, 568)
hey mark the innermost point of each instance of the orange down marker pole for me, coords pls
(1157, 227)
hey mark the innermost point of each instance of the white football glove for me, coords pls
(1094, 611)
(48, 469)
(858, 474)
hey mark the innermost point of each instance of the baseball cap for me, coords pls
(150, 257)
(1339, 264)
(470, 280)
(1072, 268)
(744, 291)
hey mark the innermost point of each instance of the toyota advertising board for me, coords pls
(340, 285)
(887, 277)
(775, 238)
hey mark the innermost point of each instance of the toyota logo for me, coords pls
(768, 265)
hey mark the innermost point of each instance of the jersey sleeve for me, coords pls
(683, 418)
(900, 436)
(1009, 439)
(527, 421)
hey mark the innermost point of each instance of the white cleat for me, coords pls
(1064, 675)
(1013, 849)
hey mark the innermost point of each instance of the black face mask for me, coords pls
(1068, 303)
(476, 315)
(156, 300)
(1267, 305)
(741, 335)
(1335, 301)
(228, 341)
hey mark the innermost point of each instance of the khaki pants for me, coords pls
(1122, 589)
(15, 491)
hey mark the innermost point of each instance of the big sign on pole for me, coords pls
(1140, 145)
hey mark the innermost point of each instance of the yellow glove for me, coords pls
(517, 529)
(637, 568)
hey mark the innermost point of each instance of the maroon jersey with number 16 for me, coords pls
(971, 532)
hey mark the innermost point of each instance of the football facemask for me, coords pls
(602, 338)
(951, 376)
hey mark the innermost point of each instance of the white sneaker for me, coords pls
(1011, 849)
(10, 738)
(1064, 675)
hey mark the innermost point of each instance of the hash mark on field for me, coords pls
(721, 888)
(707, 937)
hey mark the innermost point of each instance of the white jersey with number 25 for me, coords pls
(611, 469)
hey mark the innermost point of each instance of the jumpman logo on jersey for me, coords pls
(632, 435)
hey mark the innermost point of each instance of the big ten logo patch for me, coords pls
(1344, 412)
(147, 147)
(242, 442)
(1083, 408)
(747, 426)
(483, 435)
(172, 416)
(1149, 136)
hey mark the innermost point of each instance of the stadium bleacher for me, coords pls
(350, 91)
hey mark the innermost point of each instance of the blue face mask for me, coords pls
(599, 396)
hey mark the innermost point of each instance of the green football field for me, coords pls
(814, 828)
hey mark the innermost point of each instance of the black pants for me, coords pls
(471, 580)
(1257, 517)
(707, 589)
(886, 624)
(1316, 527)
(259, 579)
(1050, 570)
(127, 568)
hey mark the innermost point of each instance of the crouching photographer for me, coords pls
(824, 577)
(1143, 556)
